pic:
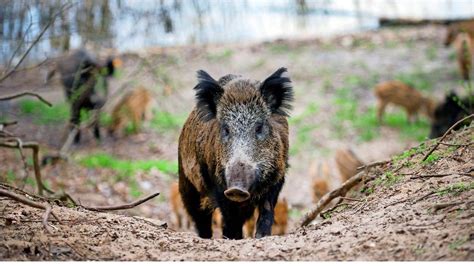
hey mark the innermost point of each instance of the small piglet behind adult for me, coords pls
(233, 151)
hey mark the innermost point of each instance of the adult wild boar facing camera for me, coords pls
(233, 151)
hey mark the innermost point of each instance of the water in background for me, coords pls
(136, 24)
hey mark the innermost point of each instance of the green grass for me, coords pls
(431, 158)
(58, 113)
(127, 167)
(388, 179)
(295, 213)
(455, 189)
(416, 131)
(223, 55)
(365, 122)
(279, 48)
(409, 153)
(458, 242)
(303, 130)
(164, 121)
(418, 79)
(431, 52)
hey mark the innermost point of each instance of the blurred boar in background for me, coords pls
(457, 27)
(347, 163)
(84, 79)
(134, 107)
(233, 151)
(449, 112)
(399, 93)
(464, 50)
(321, 177)
(177, 206)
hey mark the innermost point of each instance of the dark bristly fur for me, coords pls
(235, 139)
(449, 112)
(208, 93)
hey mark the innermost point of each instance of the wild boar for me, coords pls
(233, 151)
(464, 49)
(457, 27)
(85, 84)
(449, 112)
(320, 178)
(279, 225)
(399, 93)
(347, 163)
(134, 107)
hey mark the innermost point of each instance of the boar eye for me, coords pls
(259, 130)
(225, 131)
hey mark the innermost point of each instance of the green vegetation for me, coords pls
(220, 55)
(388, 179)
(295, 213)
(431, 52)
(455, 189)
(279, 48)
(127, 167)
(11, 177)
(418, 79)
(259, 63)
(366, 124)
(458, 242)
(164, 121)
(303, 131)
(58, 113)
(431, 158)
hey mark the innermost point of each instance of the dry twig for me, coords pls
(327, 198)
(45, 206)
(7, 98)
(34, 146)
(415, 176)
(36, 40)
(120, 207)
(373, 164)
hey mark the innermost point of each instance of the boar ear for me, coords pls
(208, 93)
(278, 92)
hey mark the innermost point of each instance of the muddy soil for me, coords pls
(391, 222)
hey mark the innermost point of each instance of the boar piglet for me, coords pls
(233, 151)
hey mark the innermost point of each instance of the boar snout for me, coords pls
(237, 194)
(239, 178)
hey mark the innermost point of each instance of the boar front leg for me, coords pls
(266, 212)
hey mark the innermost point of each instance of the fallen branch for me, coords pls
(6, 124)
(373, 164)
(45, 206)
(120, 207)
(34, 146)
(7, 98)
(440, 206)
(457, 145)
(414, 176)
(327, 198)
(445, 134)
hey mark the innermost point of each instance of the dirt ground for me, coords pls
(393, 221)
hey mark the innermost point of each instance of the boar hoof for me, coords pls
(236, 194)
